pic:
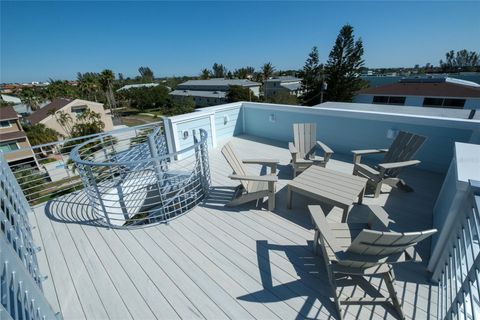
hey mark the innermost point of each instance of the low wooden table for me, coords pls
(328, 186)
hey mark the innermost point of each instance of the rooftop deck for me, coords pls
(216, 262)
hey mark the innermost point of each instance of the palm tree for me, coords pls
(205, 74)
(106, 79)
(64, 120)
(88, 84)
(267, 70)
(30, 98)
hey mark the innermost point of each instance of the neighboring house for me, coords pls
(213, 91)
(20, 108)
(10, 99)
(291, 85)
(140, 85)
(74, 108)
(12, 138)
(427, 92)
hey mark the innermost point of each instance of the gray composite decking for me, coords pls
(216, 262)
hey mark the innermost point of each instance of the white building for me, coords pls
(213, 91)
(291, 85)
(441, 92)
(138, 85)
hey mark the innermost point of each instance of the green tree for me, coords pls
(267, 70)
(61, 89)
(146, 98)
(106, 81)
(89, 85)
(219, 71)
(311, 79)
(463, 60)
(40, 134)
(176, 106)
(205, 74)
(244, 73)
(88, 122)
(30, 98)
(63, 119)
(146, 74)
(283, 97)
(239, 93)
(343, 66)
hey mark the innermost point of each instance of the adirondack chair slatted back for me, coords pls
(403, 148)
(377, 243)
(235, 163)
(305, 136)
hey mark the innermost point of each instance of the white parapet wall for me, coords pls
(453, 202)
(220, 122)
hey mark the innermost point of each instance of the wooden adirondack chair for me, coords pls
(364, 249)
(252, 187)
(304, 148)
(399, 156)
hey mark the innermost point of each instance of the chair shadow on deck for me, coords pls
(312, 283)
(73, 208)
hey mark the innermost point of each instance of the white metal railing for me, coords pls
(133, 183)
(51, 173)
(459, 279)
(21, 293)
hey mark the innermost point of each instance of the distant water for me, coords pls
(376, 81)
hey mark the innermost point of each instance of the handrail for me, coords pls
(130, 185)
(75, 155)
(46, 171)
(19, 271)
(459, 278)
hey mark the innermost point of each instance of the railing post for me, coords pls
(157, 167)
(93, 183)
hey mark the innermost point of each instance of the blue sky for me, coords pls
(42, 40)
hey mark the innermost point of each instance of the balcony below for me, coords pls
(218, 262)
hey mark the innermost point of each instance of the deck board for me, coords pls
(218, 262)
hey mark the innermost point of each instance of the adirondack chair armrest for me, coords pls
(328, 152)
(321, 224)
(357, 154)
(291, 147)
(261, 161)
(394, 165)
(272, 163)
(265, 178)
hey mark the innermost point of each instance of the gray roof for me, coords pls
(285, 79)
(139, 85)
(419, 111)
(220, 82)
(199, 93)
(292, 86)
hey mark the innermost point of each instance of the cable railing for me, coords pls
(132, 182)
(459, 279)
(50, 172)
(20, 279)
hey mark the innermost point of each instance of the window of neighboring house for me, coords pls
(9, 146)
(396, 100)
(380, 99)
(454, 103)
(433, 102)
(444, 103)
(79, 110)
(5, 124)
